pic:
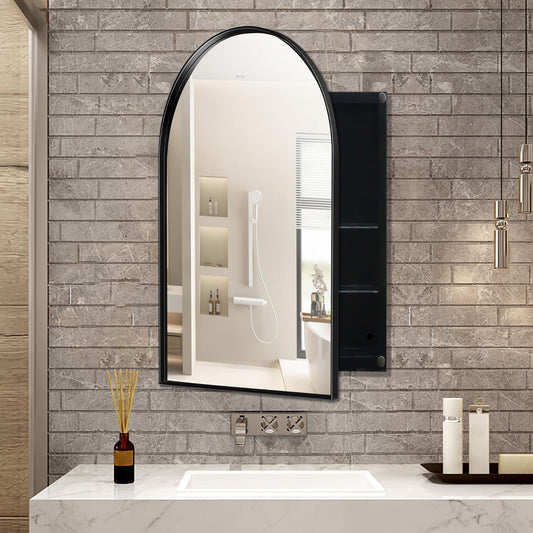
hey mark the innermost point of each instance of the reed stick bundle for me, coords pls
(123, 395)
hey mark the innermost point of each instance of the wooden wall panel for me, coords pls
(16, 525)
(14, 48)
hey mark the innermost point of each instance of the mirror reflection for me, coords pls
(249, 210)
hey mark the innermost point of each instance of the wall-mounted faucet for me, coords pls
(289, 424)
(239, 429)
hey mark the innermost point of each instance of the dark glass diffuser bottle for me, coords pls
(124, 460)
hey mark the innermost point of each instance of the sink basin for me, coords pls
(269, 483)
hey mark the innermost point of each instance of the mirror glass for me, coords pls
(248, 222)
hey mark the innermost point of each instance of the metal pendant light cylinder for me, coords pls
(501, 235)
(525, 205)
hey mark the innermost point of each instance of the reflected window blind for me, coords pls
(313, 181)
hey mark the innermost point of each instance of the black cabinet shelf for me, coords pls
(360, 294)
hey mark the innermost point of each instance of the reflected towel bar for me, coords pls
(252, 302)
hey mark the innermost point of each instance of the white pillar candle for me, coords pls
(452, 436)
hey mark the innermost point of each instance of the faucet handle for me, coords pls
(240, 430)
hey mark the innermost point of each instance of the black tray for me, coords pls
(465, 477)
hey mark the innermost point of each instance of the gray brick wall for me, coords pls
(456, 327)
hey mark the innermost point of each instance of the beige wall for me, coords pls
(14, 45)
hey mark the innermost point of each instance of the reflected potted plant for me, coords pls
(317, 298)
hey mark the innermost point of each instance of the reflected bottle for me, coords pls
(124, 460)
(211, 304)
(217, 305)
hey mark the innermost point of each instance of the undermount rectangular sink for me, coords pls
(280, 482)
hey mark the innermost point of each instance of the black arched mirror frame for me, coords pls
(168, 114)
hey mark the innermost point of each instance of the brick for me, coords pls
(363, 61)
(405, 104)
(407, 444)
(126, 210)
(408, 20)
(453, 315)
(382, 400)
(71, 42)
(121, 4)
(109, 146)
(516, 316)
(133, 105)
(452, 252)
(135, 189)
(113, 83)
(412, 83)
(130, 293)
(103, 357)
(59, 252)
(124, 125)
(474, 83)
(192, 400)
(108, 231)
(402, 357)
(470, 336)
(73, 105)
(465, 209)
(143, 20)
(490, 358)
(387, 4)
(414, 294)
(411, 253)
(420, 274)
(521, 337)
(294, 4)
(221, 20)
(480, 41)
(71, 210)
(432, 400)
(398, 379)
(412, 210)
(410, 168)
(62, 83)
(71, 126)
(465, 168)
(394, 41)
(412, 126)
(99, 62)
(482, 379)
(411, 336)
(518, 275)
(134, 41)
(115, 252)
(420, 189)
(76, 20)
(126, 167)
(483, 294)
(67, 189)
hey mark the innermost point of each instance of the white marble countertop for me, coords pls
(159, 482)
(87, 501)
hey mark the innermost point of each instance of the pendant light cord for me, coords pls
(526, 70)
(501, 99)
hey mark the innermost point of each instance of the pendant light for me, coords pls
(525, 203)
(501, 209)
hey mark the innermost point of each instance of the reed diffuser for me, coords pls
(124, 451)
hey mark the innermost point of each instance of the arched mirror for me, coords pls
(247, 165)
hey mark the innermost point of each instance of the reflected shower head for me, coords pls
(255, 197)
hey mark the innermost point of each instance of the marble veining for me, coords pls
(87, 500)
